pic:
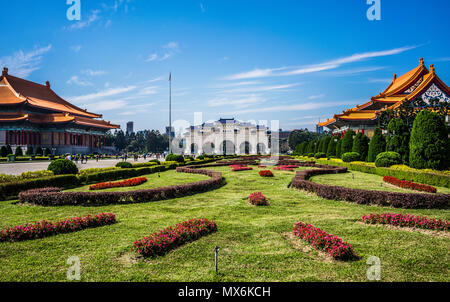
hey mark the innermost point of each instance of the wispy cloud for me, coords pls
(317, 96)
(76, 48)
(22, 64)
(239, 102)
(94, 16)
(266, 88)
(105, 105)
(101, 94)
(202, 8)
(169, 50)
(75, 80)
(328, 65)
(294, 107)
(92, 73)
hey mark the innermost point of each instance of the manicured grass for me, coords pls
(251, 239)
(365, 181)
(168, 178)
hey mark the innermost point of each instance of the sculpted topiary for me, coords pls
(62, 167)
(377, 145)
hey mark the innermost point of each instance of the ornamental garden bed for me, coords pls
(45, 229)
(132, 182)
(407, 221)
(361, 196)
(170, 238)
(406, 184)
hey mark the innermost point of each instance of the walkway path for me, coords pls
(20, 167)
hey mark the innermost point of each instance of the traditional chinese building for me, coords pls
(419, 82)
(34, 115)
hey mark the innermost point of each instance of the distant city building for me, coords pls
(130, 128)
(33, 115)
(226, 136)
(419, 82)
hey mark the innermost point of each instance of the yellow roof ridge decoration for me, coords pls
(404, 88)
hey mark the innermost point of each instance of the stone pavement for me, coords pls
(20, 167)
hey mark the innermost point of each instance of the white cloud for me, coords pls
(22, 64)
(90, 72)
(102, 94)
(94, 16)
(152, 57)
(148, 90)
(171, 45)
(202, 8)
(332, 64)
(317, 96)
(294, 107)
(76, 48)
(105, 105)
(75, 80)
(239, 102)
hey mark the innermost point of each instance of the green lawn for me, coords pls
(251, 241)
(365, 181)
(167, 178)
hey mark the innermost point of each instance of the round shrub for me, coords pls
(3, 151)
(175, 157)
(47, 152)
(377, 145)
(387, 159)
(310, 154)
(38, 151)
(8, 150)
(29, 151)
(62, 167)
(155, 161)
(18, 152)
(429, 144)
(190, 158)
(320, 155)
(124, 165)
(351, 156)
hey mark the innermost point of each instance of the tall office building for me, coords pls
(130, 127)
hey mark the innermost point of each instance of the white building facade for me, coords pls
(226, 136)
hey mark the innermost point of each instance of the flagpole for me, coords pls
(170, 113)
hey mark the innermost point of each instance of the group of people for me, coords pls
(83, 158)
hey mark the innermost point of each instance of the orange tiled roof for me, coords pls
(36, 95)
(55, 118)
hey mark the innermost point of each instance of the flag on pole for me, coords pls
(170, 77)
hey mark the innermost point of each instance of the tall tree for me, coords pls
(397, 138)
(377, 145)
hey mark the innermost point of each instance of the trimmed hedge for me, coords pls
(104, 198)
(438, 180)
(124, 165)
(12, 189)
(351, 156)
(359, 196)
(387, 159)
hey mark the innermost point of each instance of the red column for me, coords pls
(7, 137)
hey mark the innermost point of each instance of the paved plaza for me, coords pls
(20, 167)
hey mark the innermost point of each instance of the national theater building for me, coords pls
(419, 82)
(34, 115)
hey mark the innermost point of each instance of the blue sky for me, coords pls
(293, 61)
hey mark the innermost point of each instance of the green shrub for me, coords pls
(18, 152)
(338, 148)
(8, 150)
(155, 161)
(387, 159)
(141, 165)
(124, 165)
(429, 144)
(175, 157)
(47, 152)
(320, 155)
(351, 156)
(39, 151)
(63, 166)
(347, 142)
(377, 145)
(325, 142)
(331, 148)
(3, 151)
(29, 151)
(397, 139)
(361, 145)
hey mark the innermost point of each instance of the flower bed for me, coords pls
(406, 184)
(237, 169)
(258, 199)
(161, 242)
(44, 228)
(132, 182)
(265, 173)
(410, 221)
(283, 168)
(319, 239)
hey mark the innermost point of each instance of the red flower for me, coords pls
(258, 199)
(265, 173)
(406, 184)
(123, 183)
